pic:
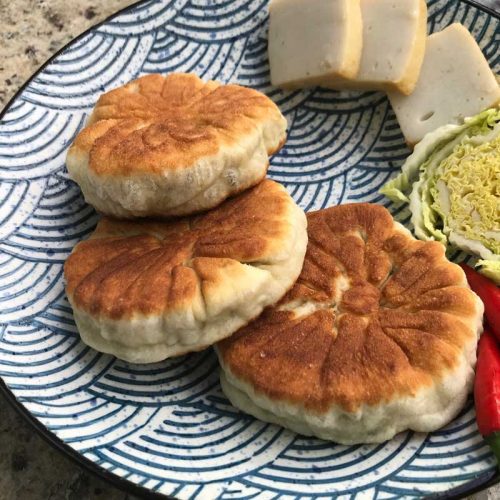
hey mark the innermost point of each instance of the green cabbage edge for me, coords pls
(490, 268)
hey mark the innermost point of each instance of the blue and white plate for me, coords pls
(167, 428)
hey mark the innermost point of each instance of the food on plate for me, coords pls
(489, 293)
(312, 42)
(147, 290)
(452, 184)
(377, 336)
(174, 145)
(394, 36)
(455, 81)
(487, 391)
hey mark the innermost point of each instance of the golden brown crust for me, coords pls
(128, 268)
(374, 315)
(157, 123)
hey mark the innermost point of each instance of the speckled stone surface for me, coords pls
(30, 32)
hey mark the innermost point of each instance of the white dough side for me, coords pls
(187, 189)
(428, 410)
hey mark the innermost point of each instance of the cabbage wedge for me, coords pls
(452, 184)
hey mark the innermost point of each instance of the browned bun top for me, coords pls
(375, 314)
(151, 267)
(157, 123)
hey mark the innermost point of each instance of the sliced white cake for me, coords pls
(394, 36)
(313, 41)
(455, 81)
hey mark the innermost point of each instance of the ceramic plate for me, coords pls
(167, 428)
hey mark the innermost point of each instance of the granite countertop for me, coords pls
(31, 31)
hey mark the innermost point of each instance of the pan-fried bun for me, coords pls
(174, 145)
(148, 290)
(377, 336)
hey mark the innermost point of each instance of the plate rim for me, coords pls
(480, 483)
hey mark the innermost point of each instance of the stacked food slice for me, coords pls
(455, 82)
(431, 81)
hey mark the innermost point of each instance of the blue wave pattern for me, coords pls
(167, 426)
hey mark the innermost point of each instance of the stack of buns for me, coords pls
(150, 288)
(339, 324)
(382, 45)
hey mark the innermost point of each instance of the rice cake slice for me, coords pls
(394, 36)
(455, 81)
(313, 41)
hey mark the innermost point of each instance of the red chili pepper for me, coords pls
(487, 391)
(489, 293)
